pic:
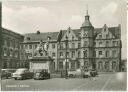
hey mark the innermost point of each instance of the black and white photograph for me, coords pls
(63, 45)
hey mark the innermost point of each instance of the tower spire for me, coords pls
(87, 9)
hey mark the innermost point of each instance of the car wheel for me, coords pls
(15, 78)
(71, 76)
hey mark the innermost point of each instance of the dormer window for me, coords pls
(28, 38)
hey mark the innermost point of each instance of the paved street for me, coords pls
(110, 81)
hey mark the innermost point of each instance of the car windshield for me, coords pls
(20, 70)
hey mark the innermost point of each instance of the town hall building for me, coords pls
(87, 47)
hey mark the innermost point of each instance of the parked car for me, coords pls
(93, 72)
(6, 73)
(90, 72)
(87, 73)
(75, 73)
(41, 74)
(22, 73)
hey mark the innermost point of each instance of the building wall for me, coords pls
(11, 49)
(29, 48)
(103, 53)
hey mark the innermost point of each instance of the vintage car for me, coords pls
(22, 73)
(87, 73)
(74, 73)
(6, 73)
(90, 72)
(93, 72)
(41, 74)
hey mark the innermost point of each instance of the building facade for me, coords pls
(32, 41)
(87, 47)
(11, 49)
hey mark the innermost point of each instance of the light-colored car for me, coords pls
(22, 73)
(87, 74)
(75, 73)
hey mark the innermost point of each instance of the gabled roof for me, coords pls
(76, 32)
(42, 36)
(114, 30)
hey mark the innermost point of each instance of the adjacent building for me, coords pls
(87, 47)
(11, 49)
(31, 42)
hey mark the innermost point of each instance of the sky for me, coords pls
(28, 16)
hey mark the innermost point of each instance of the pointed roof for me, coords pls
(86, 21)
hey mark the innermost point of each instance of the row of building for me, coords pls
(98, 48)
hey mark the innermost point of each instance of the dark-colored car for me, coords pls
(6, 73)
(22, 73)
(93, 72)
(41, 74)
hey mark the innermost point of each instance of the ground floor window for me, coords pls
(85, 64)
(113, 65)
(100, 65)
(78, 64)
(107, 65)
(72, 65)
(60, 65)
(66, 65)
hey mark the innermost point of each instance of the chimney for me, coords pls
(38, 32)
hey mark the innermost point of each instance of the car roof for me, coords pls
(22, 69)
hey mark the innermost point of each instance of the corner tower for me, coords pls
(87, 43)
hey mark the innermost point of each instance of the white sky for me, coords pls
(27, 16)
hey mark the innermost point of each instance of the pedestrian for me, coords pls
(89, 75)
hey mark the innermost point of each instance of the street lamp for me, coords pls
(66, 43)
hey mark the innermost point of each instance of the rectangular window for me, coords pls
(100, 44)
(107, 53)
(79, 45)
(21, 47)
(73, 54)
(100, 52)
(85, 43)
(26, 46)
(53, 54)
(100, 36)
(73, 65)
(114, 43)
(61, 46)
(61, 54)
(53, 46)
(73, 45)
(66, 65)
(67, 53)
(79, 54)
(114, 53)
(107, 65)
(107, 43)
(30, 46)
(5, 52)
(114, 65)
(60, 65)
(94, 43)
(94, 53)
(107, 36)
(35, 46)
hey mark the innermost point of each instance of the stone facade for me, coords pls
(11, 49)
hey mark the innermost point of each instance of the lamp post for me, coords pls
(66, 43)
